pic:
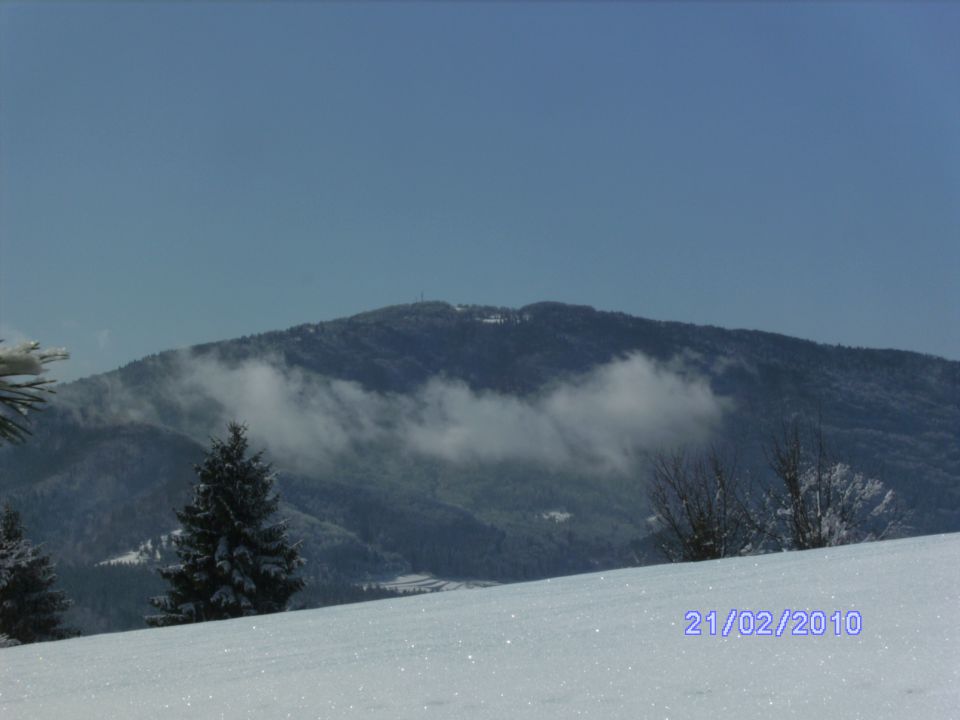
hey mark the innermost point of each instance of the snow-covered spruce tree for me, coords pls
(233, 560)
(19, 397)
(30, 609)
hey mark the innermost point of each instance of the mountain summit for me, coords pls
(468, 441)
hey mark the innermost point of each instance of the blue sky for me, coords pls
(174, 173)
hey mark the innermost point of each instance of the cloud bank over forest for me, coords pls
(599, 421)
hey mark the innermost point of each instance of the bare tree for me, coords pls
(819, 502)
(700, 504)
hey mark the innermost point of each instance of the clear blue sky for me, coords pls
(175, 173)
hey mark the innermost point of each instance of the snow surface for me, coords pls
(605, 646)
(431, 583)
(558, 516)
(144, 553)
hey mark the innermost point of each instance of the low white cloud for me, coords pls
(600, 421)
(302, 418)
(103, 339)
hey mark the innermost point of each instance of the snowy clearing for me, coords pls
(557, 516)
(605, 646)
(425, 582)
(144, 553)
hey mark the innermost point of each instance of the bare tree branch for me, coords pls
(700, 503)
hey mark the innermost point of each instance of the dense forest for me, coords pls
(113, 455)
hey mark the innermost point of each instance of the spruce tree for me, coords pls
(234, 561)
(20, 396)
(30, 608)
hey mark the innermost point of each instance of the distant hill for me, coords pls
(441, 458)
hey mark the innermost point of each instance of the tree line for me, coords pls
(706, 507)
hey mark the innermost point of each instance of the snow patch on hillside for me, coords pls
(424, 582)
(147, 551)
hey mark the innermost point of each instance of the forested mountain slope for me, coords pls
(470, 441)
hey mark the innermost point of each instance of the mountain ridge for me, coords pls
(113, 454)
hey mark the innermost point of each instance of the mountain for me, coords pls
(610, 645)
(462, 441)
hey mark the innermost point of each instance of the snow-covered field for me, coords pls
(603, 646)
(424, 582)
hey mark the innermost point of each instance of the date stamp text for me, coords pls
(763, 623)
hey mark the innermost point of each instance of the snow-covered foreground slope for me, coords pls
(604, 646)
